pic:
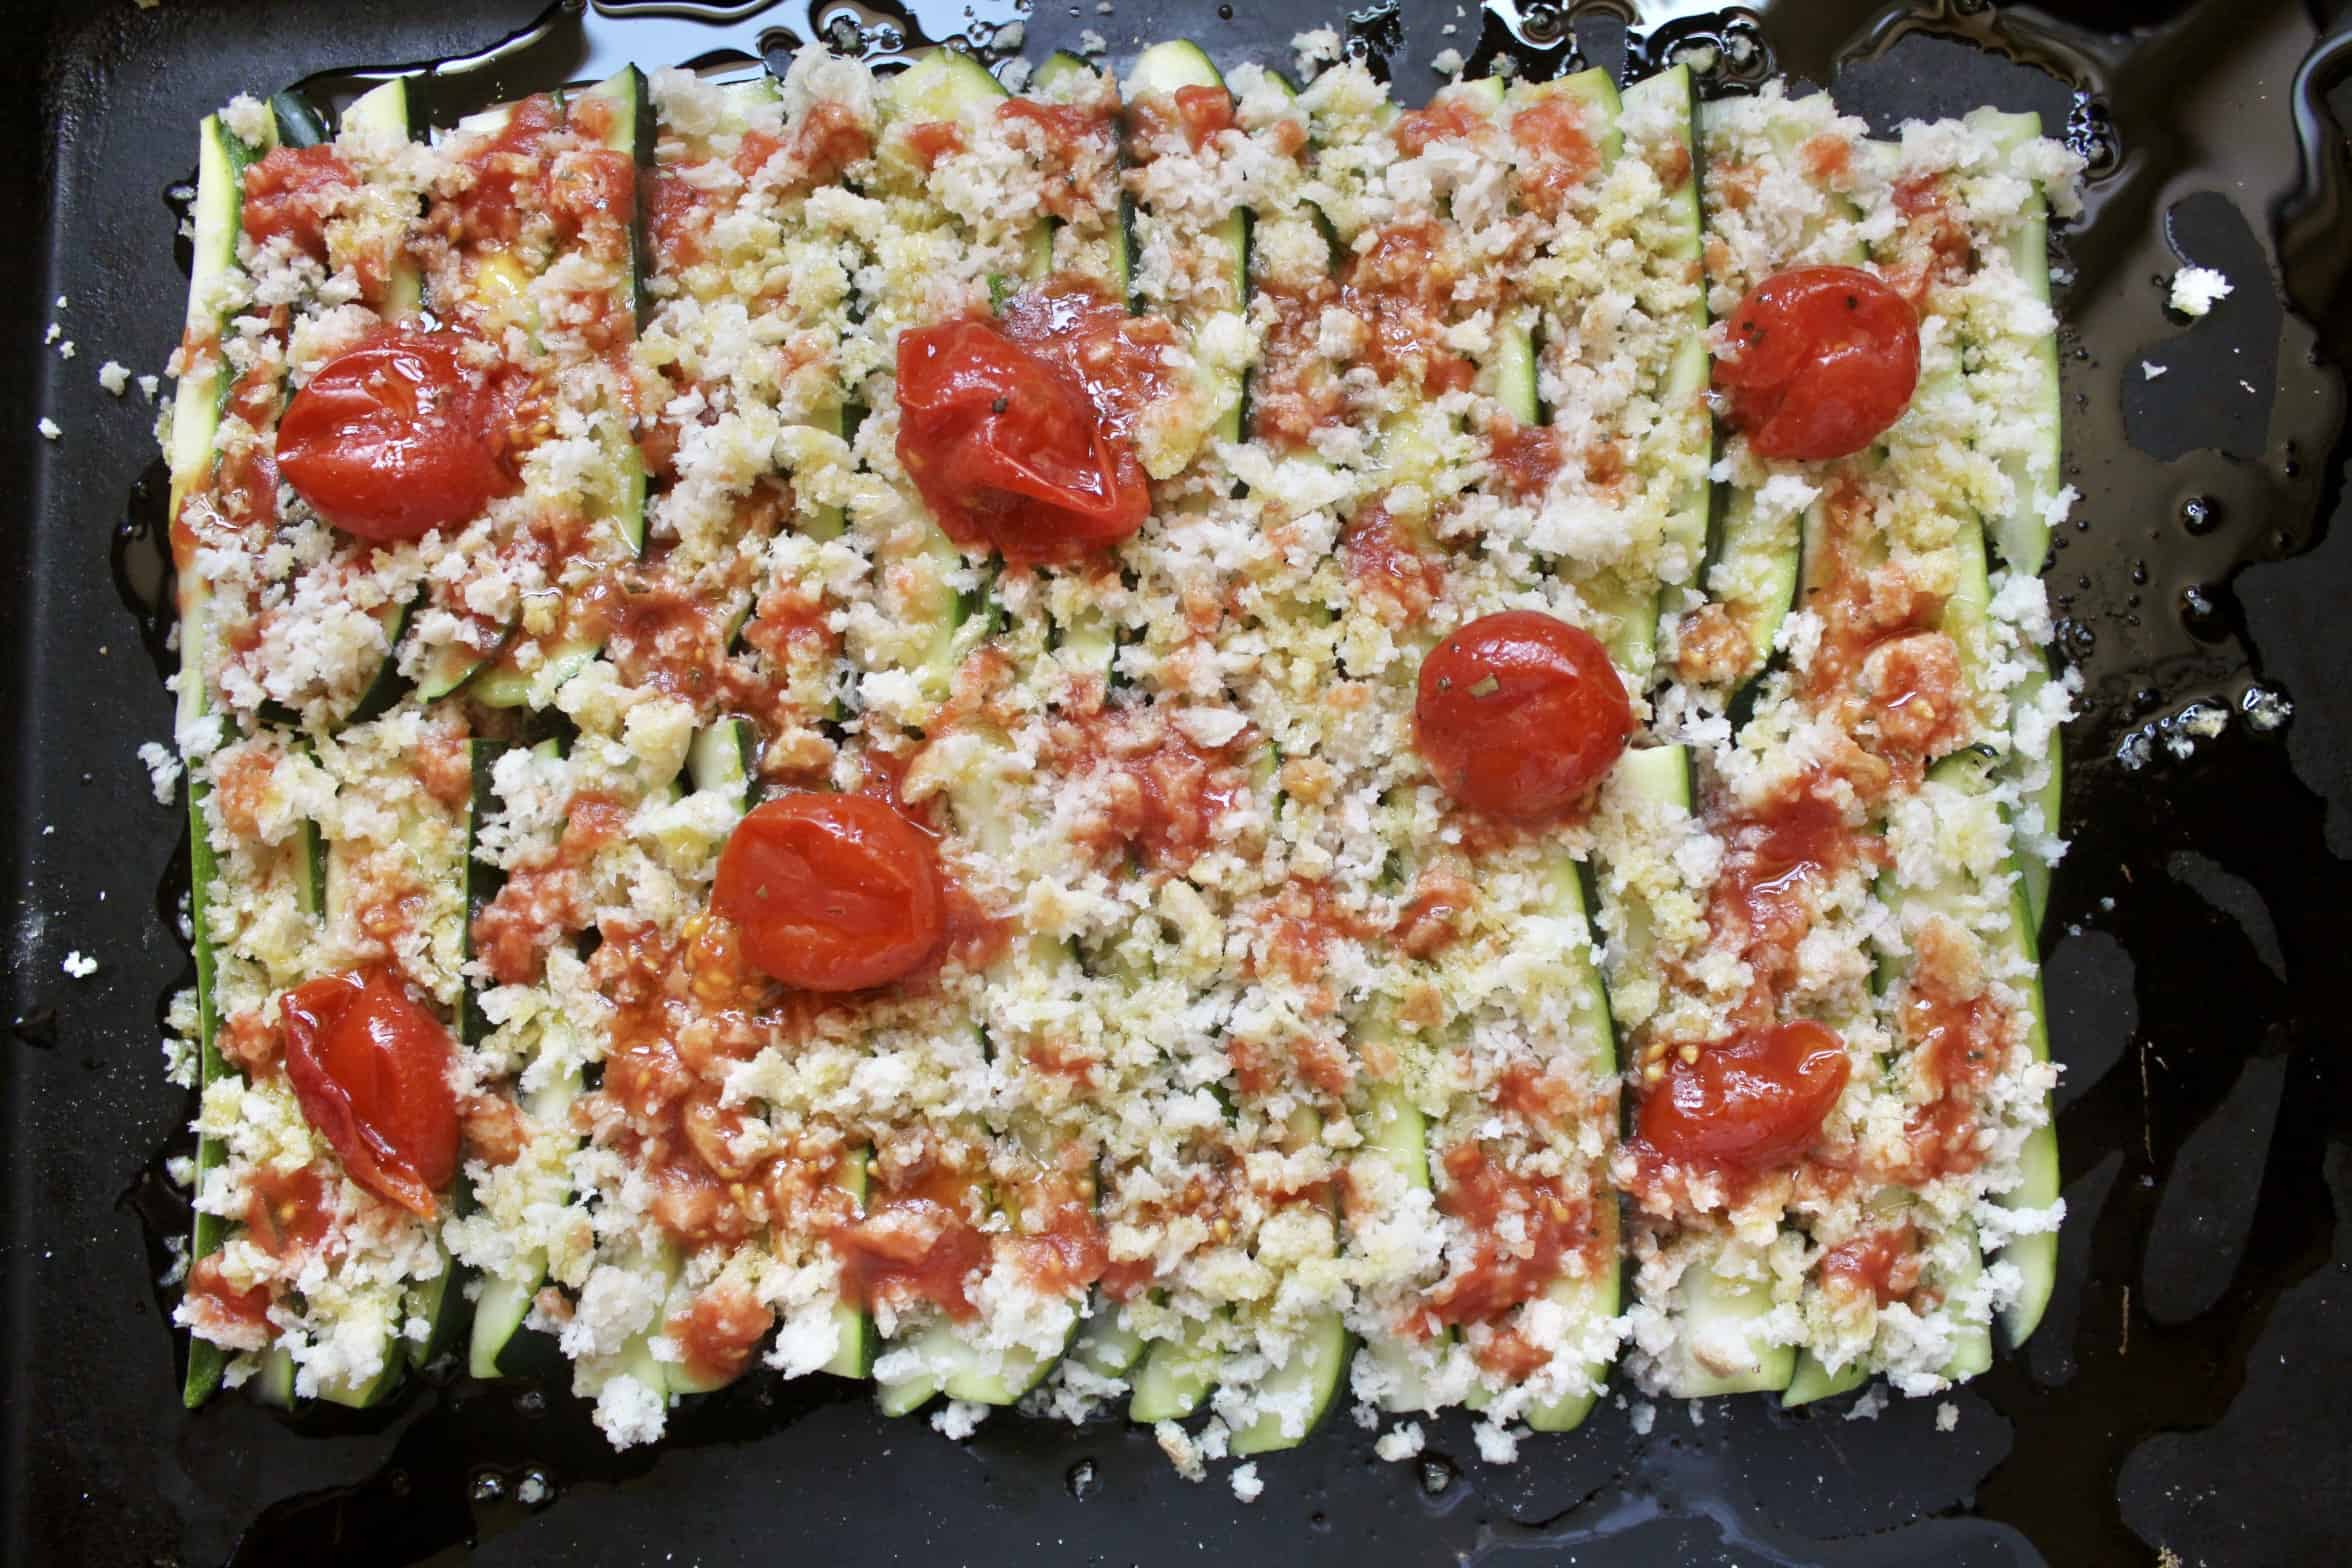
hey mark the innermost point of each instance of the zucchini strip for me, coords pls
(198, 402)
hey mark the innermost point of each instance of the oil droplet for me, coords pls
(1437, 1474)
(1224, 13)
(1081, 1479)
(2139, 573)
(2200, 514)
(535, 1489)
(489, 1487)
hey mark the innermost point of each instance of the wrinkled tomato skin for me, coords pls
(370, 1069)
(1752, 1102)
(1519, 714)
(396, 437)
(1826, 360)
(831, 892)
(1009, 451)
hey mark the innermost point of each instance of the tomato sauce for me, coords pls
(1503, 1271)
(1883, 1262)
(1448, 118)
(1402, 288)
(240, 788)
(1828, 159)
(717, 1333)
(544, 901)
(592, 192)
(1539, 1098)
(245, 478)
(916, 1242)
(506, 173)
(1524, 457)
(1956, 1042)
(1429, 924)
(292, 192)
(1074, 147)
(286, 1213)
(1058, 1244)
(1304, 922)
(1295, 390)
(754, 151)
(1776, 861)
(1713, 644)
(1882, 669)
(1163, 796)
(827, 140)
(1933, 246)
(1384, 566)
(1559, 154)
(216, 1303)
(932, 140)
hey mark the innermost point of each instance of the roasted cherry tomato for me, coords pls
(1827, 360)
(397, 437)
(1008, 449)
(1752, 1101)
(371, 1070)
(831, 892)
(1520, 713)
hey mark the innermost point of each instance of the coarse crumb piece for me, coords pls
(2195, 290)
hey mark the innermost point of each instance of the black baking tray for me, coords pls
(2191, 1389)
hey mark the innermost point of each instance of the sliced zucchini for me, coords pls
(1684, 395)
(627, 112)
(1812, 1381)
(856, 1342)
(1175, 1377)
(1313, 1376)
(196, 409)
(1715, 1348)
(384, 110)
(1164, 69)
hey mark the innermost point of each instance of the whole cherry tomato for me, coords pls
(370, 1069)
(831, 892)
(1008, 449)
(397, 437)
(1827, 360)
(1753, 1101)
(1520, 713)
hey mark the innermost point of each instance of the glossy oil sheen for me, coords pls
(2186, 1391)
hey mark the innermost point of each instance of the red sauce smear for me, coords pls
(1502, 1273)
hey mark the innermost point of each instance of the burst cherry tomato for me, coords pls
(1008, 449)
(1827, 360)
(397, 437)
(831, 892)
(371, 1071)
(1520, 713)
(1755, 1100)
